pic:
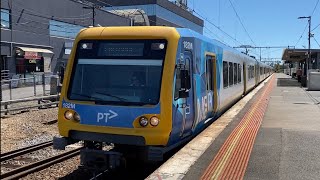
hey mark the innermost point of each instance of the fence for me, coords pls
(4, 74)
(32, 86)
(43, 101)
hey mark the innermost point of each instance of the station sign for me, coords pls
(30, 55)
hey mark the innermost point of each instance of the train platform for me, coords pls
(271, 133)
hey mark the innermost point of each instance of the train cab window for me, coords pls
(118, 72)
(239, 73)
(209, 72)
(230, 73)
(235, 73)
(225, 74)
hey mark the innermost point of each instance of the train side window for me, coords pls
(177, 85)
(235, 73)
(209, 74)
(225, 74)
(230, 73)
(239, 73)
(252, 72)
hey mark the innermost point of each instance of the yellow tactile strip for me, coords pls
(233, 157)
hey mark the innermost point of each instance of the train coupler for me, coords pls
(100, 160)
(60, 143)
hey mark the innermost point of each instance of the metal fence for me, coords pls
(42, 102)
(4, 74)
(31, 86)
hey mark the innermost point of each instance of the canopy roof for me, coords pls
(296, 55)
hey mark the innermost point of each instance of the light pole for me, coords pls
(309, 36)
(93, 13)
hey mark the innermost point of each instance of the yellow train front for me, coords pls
(117, 89)
(142, 91)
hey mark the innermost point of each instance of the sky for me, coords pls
(267, 23)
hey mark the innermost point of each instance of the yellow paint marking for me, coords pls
(234, 142)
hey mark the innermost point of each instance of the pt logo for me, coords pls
(106, 116)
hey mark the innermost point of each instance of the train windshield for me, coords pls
(118, 72)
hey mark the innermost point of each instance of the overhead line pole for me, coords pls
(309, 37)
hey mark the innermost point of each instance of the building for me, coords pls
(295, 59)
(160, 12)
(299, 57)
(37, 36)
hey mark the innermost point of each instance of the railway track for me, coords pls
(36, 166)
(23, 151)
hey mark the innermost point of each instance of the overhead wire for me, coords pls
(26, 24)
(36, 13)
(308, 23)
(315, 27)
(220, 39)
(242, 23)
(315, 7)
(316, 41)
(44, 23)
(206, 19)
(301, 35)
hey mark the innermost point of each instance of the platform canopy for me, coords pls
(297, 55)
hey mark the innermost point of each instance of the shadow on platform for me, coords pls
(288, 82)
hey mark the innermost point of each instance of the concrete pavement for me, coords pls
(287, 145)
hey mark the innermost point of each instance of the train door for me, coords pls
(211, 85)
(187, 108)
(244, 78)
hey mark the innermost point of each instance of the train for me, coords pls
(140, 92)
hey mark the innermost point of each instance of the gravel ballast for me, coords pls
(30, 128)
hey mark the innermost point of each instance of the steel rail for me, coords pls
(26, 150)
(37, 166)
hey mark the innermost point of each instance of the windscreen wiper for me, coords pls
(88, 96)
(83, 95)
(120, 98)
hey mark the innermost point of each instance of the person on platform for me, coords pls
(299, 73)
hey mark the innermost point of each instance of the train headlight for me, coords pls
(154, 121)
(143, 121)
(68, 115)
(76, 117)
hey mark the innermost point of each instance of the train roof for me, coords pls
(96, 32)
(185, 32)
